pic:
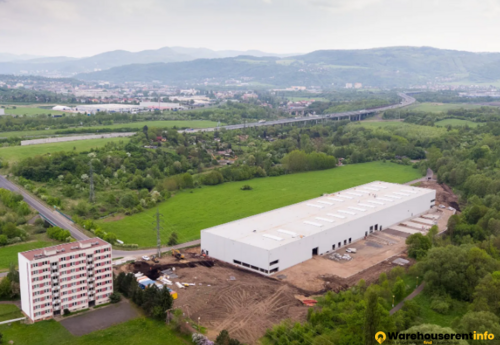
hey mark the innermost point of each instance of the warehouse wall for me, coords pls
(301, 249)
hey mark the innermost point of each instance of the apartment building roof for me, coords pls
(65, 248)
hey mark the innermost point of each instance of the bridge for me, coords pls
(356, 115)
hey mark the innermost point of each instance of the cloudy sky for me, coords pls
(87, 27)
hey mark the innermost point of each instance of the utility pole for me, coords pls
(91, 184)
(158, 227)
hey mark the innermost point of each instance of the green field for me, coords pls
(430, 316)
(9, 312)
(8, 254)
(117, 126)
(457, 123)
(17, 153)
(137, 331)
(24, 110)
(187, 213)
(441, 107)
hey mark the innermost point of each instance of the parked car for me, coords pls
(145, 258)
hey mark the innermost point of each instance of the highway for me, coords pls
(55, 218)
(355, 115)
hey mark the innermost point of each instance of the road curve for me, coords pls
(406, 101)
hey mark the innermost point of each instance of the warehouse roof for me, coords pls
(287, 224)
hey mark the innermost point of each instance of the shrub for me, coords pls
(246, 187)
(172, 241)
(66, 312)
(58, 234)
(439, 305)
(115, 297)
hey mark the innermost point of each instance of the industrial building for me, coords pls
(72, 276)
(108, 108)
(273, 241)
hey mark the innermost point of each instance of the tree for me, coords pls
(431, 329)
(487, 294)
(5, 288)
(372, 318)
(399, 289)
(110, 237)
(145, 131)
(418, 245)
(172, 241)
(456, 270)
(479, 322)
(115, 297)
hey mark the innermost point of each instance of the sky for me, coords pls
(81, 28)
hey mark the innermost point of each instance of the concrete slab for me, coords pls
(100, 318)
(424, 221)
(416, 226)
(405, 229)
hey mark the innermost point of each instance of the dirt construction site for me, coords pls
(245, 303)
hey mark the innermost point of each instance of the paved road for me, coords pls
(52, 215)
(409, 297)
(406, 101)
(430, 174)
(60, 221)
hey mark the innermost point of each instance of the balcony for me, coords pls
(90, 266)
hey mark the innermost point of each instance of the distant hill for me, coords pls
(66, 66)
(386, 67)
(6, 57)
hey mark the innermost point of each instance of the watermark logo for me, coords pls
(380, 337)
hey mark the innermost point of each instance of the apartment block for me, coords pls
(72, 276)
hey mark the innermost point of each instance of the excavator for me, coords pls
(177, 254)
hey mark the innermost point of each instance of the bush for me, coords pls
(66, 312)
(439, 305)
(246, 187)
(212, 178)
(3, 240)
(115, 297)
(173, 240)
(58, 234)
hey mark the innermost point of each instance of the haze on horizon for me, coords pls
(84, 28)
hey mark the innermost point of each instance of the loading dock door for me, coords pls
(315, 251)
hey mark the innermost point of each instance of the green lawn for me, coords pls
(441, 107)
(137, 331)
(187, 213)
(17, 153)
(117, 126)
(428, 315)
(457, 123)
(26, 110)
(8, 254)
(9, 312)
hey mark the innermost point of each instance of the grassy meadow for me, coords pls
(30, 110)
(457, 123)
(137, 331)
(18, 153)
(8, 254)
(9, 312)
(441, 107)
(189, 212)
(117, 126)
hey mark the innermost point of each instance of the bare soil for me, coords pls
(245, 306)
(444, 194)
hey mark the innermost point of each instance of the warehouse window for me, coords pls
(433, 200)
(274, 270)
(254, 268)
(244, 264)
(237, 262)
(274, 262)
(333, 247)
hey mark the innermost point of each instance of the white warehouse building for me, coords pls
(273, 241)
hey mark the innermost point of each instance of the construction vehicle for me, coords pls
(177, 254)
